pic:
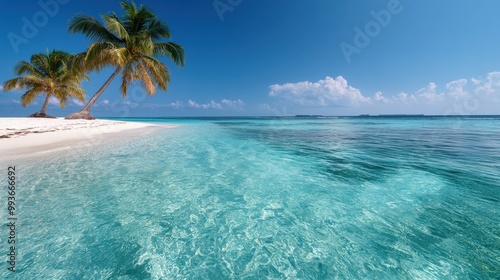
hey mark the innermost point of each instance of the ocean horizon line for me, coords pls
(307, 116)
(298, 116)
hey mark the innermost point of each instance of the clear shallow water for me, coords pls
(381, 198)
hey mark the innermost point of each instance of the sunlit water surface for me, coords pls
(384, 198)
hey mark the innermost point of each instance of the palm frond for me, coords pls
(67, 91)
(128, 74)
(29, 81)
(122, 56)
(92, 29)
(63, 99)
(30, 96)
(141, 44)
(158, 71)
(12, 84)
(51, 74)
(77, 92)
(173, 50)
(129, 42)
(78, 64)
(40, 62)
(147, 83)
(24, 67)
(136, 20)
(158, 30)
(101, 54)
(130, 9)
(115, 26)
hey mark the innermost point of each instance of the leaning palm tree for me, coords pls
(47, 74)
(131, 44)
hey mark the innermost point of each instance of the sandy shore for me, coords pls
(32, 136)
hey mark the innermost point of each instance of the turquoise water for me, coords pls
(349, 198)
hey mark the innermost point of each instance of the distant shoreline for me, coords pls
(392, 115)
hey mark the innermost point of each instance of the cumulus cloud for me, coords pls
(327, 92)
(454, 97)
(129, 104)
(235, 104)
(401, 98)
(16, 89)
(429, 93)
(224, 104)
(53, 101)
(211, 105)
(9, 101)
(176, 105)
(265, 107)
(489, 85)
(379, 97)
(105, 102)
(456, 88)
(404, 98)
(77, 102)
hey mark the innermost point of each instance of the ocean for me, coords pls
(267, 198)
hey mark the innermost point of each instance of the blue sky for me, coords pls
(286, 57)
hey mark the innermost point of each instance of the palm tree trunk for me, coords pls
(85, 112)
(42, 114)
(45, 105)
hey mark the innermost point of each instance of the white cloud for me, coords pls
(177, 105)
(54, 101)
(456, 88)
(129, 104)
(211, 105)
(401, 98)
(379, 97)
(224, 104)
(16, 89)
(404, 98)
(78, 102)
(107, 104)
(9, 101)
(235, 104)
(265, 107)
(327, 92)
(458, 97)
(493, 79)
(429, 93)
(490, 85)
(475, 81)
(194, 104)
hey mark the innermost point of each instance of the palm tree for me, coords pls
(131, 44)
(47, 74)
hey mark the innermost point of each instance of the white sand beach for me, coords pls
(29, 136)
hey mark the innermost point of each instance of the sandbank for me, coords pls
(20, 137)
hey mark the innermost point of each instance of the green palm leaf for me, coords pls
(173, 50)
(92, 29)
(48, 74)
(131, 43)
